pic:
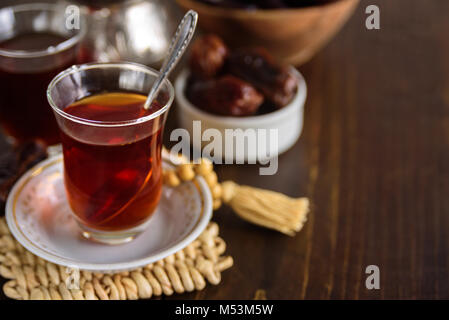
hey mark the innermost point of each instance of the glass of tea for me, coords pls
(36, 43)
(111, 146)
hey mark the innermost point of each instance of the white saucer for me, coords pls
(39, 217)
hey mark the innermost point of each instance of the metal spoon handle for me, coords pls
(180, 41)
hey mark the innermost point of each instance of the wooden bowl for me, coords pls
(292, 35)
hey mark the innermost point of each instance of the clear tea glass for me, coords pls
(111, 145)
(36, 44)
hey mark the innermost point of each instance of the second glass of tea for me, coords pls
(35, 45)
(111, 146)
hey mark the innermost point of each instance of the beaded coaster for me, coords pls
(187, 270)
(31, 277)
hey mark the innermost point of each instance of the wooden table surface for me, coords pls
(373, 159)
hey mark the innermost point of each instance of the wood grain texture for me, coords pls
(373, 159)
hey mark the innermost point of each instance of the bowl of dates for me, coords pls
(240, 89)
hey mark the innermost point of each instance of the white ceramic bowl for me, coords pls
(288, 122)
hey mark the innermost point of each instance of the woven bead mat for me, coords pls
(202, 261)
(32, 278)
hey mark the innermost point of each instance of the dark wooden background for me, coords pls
(373, 159)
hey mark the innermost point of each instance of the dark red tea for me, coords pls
(115, 185)
(24, 110)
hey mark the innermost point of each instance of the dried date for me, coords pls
(257, 67)
(14, 163)
(207, 56)
(228, 96)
